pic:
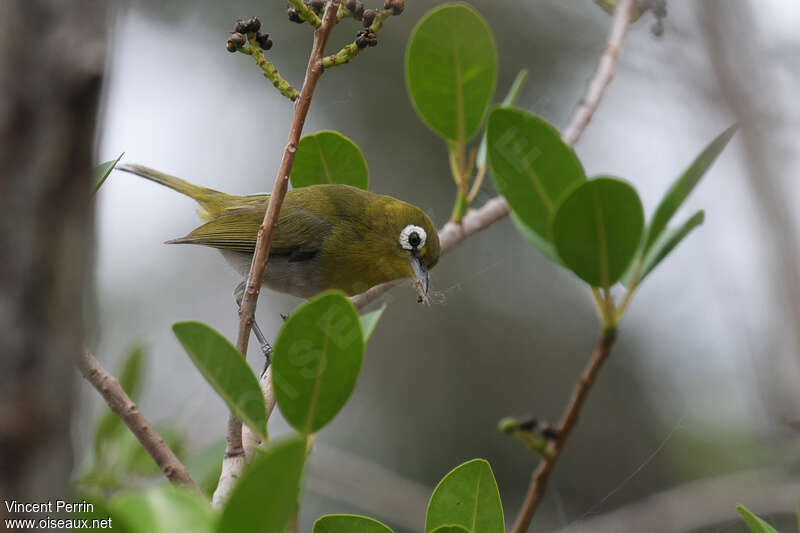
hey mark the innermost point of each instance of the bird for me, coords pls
(328, 236)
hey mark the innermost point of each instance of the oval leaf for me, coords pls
(329, 157)
(317, 358)
(676, 194)
(756, 524)
(165, 509)
(467, 497)
(532, 167)
(451, 70)
(597, 230)
(226, 371)
(348, 523)
(265, 497)
(667, 242)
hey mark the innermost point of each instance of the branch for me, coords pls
(117, 399)
(580, 119)
(568, 421)
(234, 459)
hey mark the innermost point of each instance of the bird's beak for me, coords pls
(420, 278)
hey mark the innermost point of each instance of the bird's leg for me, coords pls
(266, 347)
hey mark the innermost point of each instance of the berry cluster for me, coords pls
(238, 37)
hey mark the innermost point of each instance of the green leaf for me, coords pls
(597, 230)
(349, 523)
(99, 516)
(101, 172)
(265, 497)
(317, 358)
(467, 497)
(667, 242)
(508, 101)
(532, 167)
(451, 70)
(451, 529)
(164, 509)
(131, 381)
(329, 157)
(756, 524)
(676, 194)
(369, 322)
(226, 371)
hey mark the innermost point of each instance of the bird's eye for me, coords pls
(412, 237)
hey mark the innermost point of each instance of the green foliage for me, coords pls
(164, 509)
(756, 524)
(451, 70)
(329, 157)
(226, 371)
(346, 523)
(670, 238)
(597, 230)
(467, 497)
(369, 321)
(316, 361)
(533, 168)
(101, 172)
(265, 497)
(680, 190)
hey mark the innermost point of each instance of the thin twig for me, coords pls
(602, 77)
(234, 451)
(117, 399)
(581, 117)
(565, 426)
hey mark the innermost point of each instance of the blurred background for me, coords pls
(699, 406)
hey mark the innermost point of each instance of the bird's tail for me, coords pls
(211, 202)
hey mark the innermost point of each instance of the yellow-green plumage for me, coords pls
(327, 236)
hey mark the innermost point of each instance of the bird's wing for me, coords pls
(299, 234)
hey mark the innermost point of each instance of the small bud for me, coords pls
(508, 425)
(241, 26)
(264, 41)
(528, 423)
(549, 432)
(366, 37)
(397, 6)
(294, 16)
(350, 5)
(369, 17)
(316, 6)
(230, 46)
(237, 39)
(254, 24)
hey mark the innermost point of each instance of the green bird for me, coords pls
(327, 236)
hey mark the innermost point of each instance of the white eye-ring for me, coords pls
(412, 237)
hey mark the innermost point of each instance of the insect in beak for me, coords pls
(420, 277)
